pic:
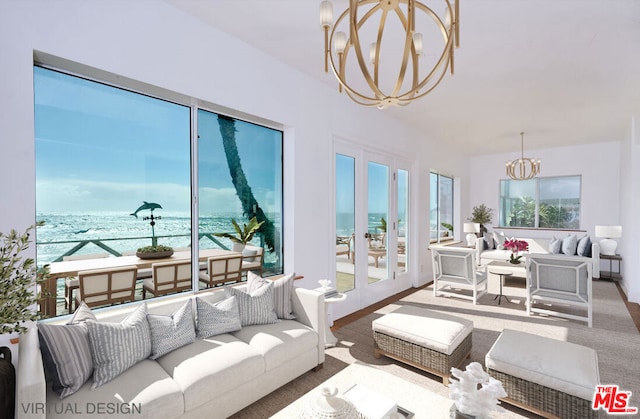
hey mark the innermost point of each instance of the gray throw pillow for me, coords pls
(584, 247)
(489, 243)
(248, 253)
(255, 308)
(217, 318)
(555, 245)
(282, 292)
(66, 352)
(570, 245)
(169, 332)
(115, 347)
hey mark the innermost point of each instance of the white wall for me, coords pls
(157, 44)
(630, 208)
(598, 164)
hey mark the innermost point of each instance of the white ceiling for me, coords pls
(563, 71)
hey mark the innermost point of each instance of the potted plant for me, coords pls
(19, 278)
(158, 251)
(242, 235)
(449, 228)
(482, 215)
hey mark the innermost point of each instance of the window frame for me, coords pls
(503, 217)
(439, 238)
(103, 77)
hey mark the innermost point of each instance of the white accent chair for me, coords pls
(455, 271)
(560, 281)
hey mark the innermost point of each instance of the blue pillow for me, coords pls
(570, 245)
(555, 245)
(584, 247)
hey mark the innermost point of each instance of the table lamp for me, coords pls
(607, 245)
(472, 229)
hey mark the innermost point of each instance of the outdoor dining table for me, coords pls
(66, 269)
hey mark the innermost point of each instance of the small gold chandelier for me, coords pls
(369, 91)
(523, 168)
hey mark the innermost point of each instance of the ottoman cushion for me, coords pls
(560, 365)
(423, 327)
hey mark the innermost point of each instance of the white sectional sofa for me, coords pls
(536, 245)
(213, 377)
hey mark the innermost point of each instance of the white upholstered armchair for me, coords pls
(455, 273)
(560, 281)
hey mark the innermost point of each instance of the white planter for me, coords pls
(237, 247)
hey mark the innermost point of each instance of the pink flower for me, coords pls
(516, 245)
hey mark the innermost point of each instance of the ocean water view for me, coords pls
(123, 232)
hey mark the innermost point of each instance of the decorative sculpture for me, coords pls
(475, 393)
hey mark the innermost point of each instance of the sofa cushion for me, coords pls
(169, 332)
(109, 341)
(256, 307)
(279, 342)
(213, 365)
(555, 245)
(570, 244)
(217, 318)
(560, 365)
(282, 291)
(144, 391)
(584, 247)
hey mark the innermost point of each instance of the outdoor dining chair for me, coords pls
(168, 278)
(222, 269)
(101, 287)
(72, 284)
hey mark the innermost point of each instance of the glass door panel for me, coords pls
(403, 220)
(377, 219)
(345, 222)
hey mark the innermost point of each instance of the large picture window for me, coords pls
(113, 176)
(547, 202)
(441, 207)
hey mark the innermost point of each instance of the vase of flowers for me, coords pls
(516, 246)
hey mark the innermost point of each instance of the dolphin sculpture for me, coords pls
(146, 206)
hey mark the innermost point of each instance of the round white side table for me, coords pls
(329, 338)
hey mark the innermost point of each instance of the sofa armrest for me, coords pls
(595, 257)
(31, 386)
(309, 308)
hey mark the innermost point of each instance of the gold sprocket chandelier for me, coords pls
(410, 79)
(523, 168)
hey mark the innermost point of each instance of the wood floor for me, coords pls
(634, 308)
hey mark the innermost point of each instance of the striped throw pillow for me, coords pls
(169, 332)
(66, 352)
(217, 318)
(115, 347)
(282, 292)
(255, 308)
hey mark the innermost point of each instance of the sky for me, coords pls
(101, 148)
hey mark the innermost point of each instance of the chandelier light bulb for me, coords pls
(326, 14)
(340, 42)
(417, 42)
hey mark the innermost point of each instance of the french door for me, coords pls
(371, 225)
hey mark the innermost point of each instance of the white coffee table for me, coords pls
(412, 397)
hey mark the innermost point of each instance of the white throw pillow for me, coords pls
(555, 245)
(570, 245)
(255, 308)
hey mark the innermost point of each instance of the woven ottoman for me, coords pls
(549, 377)
(425, 339)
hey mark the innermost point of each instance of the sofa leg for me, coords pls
(318, 367)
